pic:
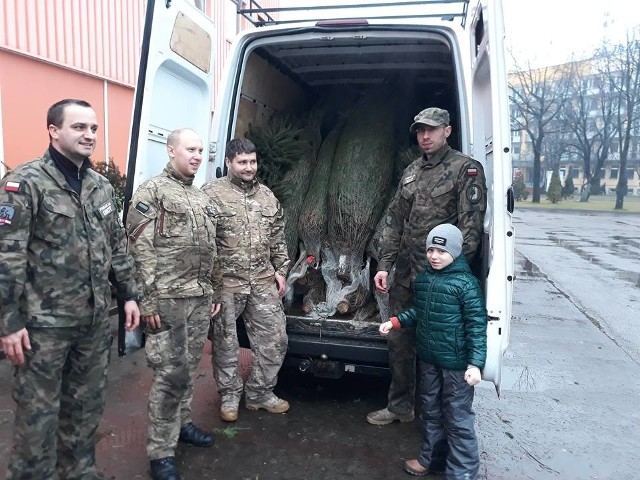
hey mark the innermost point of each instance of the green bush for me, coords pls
(554, 192)
(520, 188)
(118, 180)
(569, 187)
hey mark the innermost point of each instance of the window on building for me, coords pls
(630, 172)
(575, 172)
(515, 148)
(613, 173)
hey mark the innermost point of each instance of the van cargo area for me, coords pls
(329, 109)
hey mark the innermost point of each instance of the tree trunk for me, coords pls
(535, 197)
(621, 187)
(586, 192)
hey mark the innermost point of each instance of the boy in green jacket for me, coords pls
(450, 319)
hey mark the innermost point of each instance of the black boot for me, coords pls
(164, 469)
(192, 435)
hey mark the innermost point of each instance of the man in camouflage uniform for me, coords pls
(442, 186)
(254, 261)
(60, 236)
(172, 233)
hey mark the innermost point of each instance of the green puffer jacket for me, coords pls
(450, 317)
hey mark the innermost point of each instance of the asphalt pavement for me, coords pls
(568, 408)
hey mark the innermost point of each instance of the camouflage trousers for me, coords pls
(173, 352)
(402, 356)
(60, 396)
(265, 323)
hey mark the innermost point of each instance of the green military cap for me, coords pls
(432, 116)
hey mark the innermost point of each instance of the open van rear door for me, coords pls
(174, 90)
(492, 145)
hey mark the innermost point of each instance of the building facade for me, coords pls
(88, 49)
(565, 157)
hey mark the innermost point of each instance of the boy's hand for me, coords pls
(385, 328)
(472, 375)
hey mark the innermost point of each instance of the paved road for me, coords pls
(570, 395)
(569, 408)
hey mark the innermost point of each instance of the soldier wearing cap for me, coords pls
(442, 186)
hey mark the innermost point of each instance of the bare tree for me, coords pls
(622, 69)
(589, 116)
(538, 96)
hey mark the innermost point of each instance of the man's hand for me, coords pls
(472, 375)
(215, 309)
(282, 284)
(380, 281)
(15, 344)
(131, 315)
(152, 321)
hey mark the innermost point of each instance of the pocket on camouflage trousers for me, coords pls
(159, 347)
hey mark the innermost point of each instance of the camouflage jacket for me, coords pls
(449, 187)
(172, 234)
(57, 249)
(250, 233)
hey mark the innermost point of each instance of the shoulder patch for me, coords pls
(142, 207)
(12, 186)
(472, 172)
(474, 194)
(8, 214)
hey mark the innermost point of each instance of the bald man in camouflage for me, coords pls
(172, 232)
(442, 186)
(60, 237)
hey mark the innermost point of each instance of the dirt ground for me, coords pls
(323, 436)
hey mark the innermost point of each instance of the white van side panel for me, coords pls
(178, 88)
(492, 145)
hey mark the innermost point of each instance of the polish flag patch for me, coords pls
(472, 171)
(12, 186)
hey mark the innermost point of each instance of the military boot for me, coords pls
(192, 435)
(164, 469)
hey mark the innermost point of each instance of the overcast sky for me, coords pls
(551, 31)
(544, 31)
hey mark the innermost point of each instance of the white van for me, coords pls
(451, 55)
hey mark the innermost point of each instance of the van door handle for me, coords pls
(511, 202)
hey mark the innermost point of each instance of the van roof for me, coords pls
(447, 10)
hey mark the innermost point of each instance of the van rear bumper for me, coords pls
(332, 357)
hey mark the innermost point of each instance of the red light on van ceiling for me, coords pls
(342, 22)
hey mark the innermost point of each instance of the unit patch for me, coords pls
(474, 194)
(12, 187)
(8, 214)
(142, 207)
(472, 172)
(106, 209)
(409, 179)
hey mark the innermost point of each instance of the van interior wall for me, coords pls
(265, 91)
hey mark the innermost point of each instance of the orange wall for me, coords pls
(29, 86)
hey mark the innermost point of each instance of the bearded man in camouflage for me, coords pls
(172, 232)
(442, 186)
(254, 261)
(60, 236)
